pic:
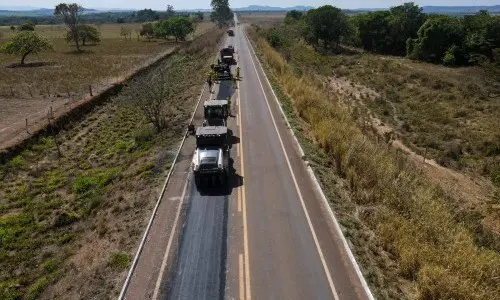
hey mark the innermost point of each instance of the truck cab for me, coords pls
(216, 112)
(227, 55)
(211, 157)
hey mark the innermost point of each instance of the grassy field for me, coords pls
(71, 72)
(404, 229)
(69, 225)
(263, 19)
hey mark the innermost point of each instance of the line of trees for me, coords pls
(141, 16)
(177, 27)
(403, 30)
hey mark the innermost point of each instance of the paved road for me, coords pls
(268, 236)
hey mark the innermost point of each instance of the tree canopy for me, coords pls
(328, 24)
(388, 31)
(86, 33)
(24, 43)
(71, 16)
(178, 27)
(27, 26)
(221, 14)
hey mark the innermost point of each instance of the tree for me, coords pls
(374, 31)
(89, 33)
(86, 33)
(436, 38)
(327, 23)
(180, 27)
(126, 32)
(25, 43)
(221, 14)
(27, 26)
(152, 97)
(71, 16)
(170, 11)
(12, 27)
(293, 16)
(147, 30)
(147, 15)
(404, 22)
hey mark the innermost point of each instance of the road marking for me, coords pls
(244, 207)
(169, 244)
(242, 283)
(239, 200)
(238, 150)
(315, 238)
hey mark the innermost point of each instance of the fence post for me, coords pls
(90, 91)
(11, 92)
(27, 131)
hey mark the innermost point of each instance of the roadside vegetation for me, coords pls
(412, 238)
(73, 205)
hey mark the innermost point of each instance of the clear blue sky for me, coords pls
(190, 4)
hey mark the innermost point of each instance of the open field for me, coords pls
(24, 92)
(411, 237)
(70, 224)
(264, 19)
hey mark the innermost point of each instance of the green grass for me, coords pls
(119, 260)
(402, 226)
(56, 210)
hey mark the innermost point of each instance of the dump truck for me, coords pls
(227, 55)
(216, 112)
(211, 157)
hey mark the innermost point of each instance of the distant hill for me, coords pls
(28, 11)
(460, 9)
(272, 8)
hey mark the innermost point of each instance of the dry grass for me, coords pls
(263, 19)
(451, 115)
(402, 226)
(69, 225)
(71, 72)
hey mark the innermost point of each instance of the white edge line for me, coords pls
(297, 188)
(169, 244)
(153, 215)
(318, 188)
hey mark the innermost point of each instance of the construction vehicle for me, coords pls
(211, 157)
(223, 71)
(216, 112)
(227, 55)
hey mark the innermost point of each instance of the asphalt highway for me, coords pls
(265, 236)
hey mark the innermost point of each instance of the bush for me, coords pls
(119, 260)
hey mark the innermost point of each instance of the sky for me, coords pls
(192, 4)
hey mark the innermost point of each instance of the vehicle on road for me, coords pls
(216, 112)
(223, 71)
(227, 55)
(211, 157)
(230, 32)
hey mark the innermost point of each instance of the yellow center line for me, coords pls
(244, 206)
(242, 284)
